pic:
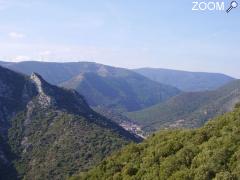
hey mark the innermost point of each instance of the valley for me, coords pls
(51, 132)
(133, 128)
(189, 110)
(119, 90)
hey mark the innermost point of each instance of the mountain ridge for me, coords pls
(186, 80)
(117, 88)
(129, 94)
(44, 128)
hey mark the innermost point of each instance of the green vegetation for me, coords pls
(47, 132)
(189, 109)
(210, 152)
(56, 145)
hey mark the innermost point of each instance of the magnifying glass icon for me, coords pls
(233, 5)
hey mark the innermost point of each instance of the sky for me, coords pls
(123, 33)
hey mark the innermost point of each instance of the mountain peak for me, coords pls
(41, 85)
(36, 77)
(43, 124)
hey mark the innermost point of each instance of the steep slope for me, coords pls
(211, 152)
(102, 85)
(186, 81)
(126, 92)
(189, 109)
(122, 120)
(48, 132)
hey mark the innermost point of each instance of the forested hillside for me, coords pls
(126, 92)
(47, 132)
(210, 152)
(189, 109)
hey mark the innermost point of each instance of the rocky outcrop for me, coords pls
(43, 99)
(50, 126)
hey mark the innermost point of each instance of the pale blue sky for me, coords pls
(125, 33)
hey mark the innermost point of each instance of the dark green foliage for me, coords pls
(189, 109)
(237, 105)
(56, 145)
(7, 170)
(186, 81)
(210, 152)
(48, 132)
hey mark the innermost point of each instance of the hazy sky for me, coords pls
(125, 33)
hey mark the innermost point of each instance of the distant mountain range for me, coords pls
(101, 85)
(186, 81)
(153, 105)
(189, 110)
(47, 132)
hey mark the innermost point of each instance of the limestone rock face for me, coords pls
(43, 98)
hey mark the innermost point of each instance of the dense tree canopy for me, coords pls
(210, 152)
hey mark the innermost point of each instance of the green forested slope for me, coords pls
(47, 132)
(210, 152)
(189, 109)
(123, 91)
(56, 145)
